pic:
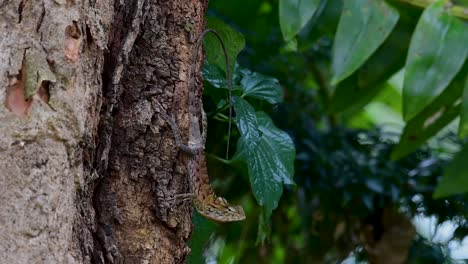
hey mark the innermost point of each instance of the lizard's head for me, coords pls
(221, 211)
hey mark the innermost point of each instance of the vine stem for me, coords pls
(228, 77)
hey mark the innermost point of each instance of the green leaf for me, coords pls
(264, 229)
(246, 121)
(390, 56)
(384, 110)
(433, 118)
(233, 40)
(463, 127)
(362, 86)
(455, 179)
(420, 129)
(259, 86)
(214, 75)
(294, 15)
(202, 232)
(437, 51)
(290, 46)
(349, 95)
(363, 27)
(382, 115)
(270, 163)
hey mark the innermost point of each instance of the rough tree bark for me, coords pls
(87, 164)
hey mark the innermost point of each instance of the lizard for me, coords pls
(205, 200)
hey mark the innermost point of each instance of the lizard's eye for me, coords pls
(232, 210)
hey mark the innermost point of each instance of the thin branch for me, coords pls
(454, 10)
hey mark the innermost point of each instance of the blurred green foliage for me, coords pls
(336, 169)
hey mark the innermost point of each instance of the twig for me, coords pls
(454, 10)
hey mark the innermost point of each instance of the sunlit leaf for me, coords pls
(294, 15)
(363, 27)
(433, 118)
(390, 56)
(291, 46)
(382, 114)
(362, 86)
(383, 110)
(437, 52)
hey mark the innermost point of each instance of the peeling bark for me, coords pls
(87, 165)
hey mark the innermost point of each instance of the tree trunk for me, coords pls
(87, 164)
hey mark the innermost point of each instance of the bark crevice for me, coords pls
(136, 153)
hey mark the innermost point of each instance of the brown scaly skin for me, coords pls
(206, 201)
(204, 198)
